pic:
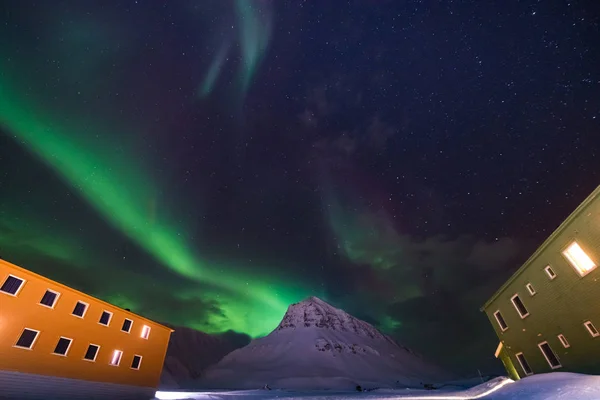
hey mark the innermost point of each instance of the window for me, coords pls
(145, 332)
(105, 318)
(49, 298)
(92, 352)
(501, 321)
(62, 347)
(12, 285)
(135, 363)
(80, 309)
(549, 355)
(582, 263)
(563, 341)
(524, 364)
(530, 289)
(27, 338)
(116, 358)
(519, 306)
(591, 329)
(127, 325)
(550, 272)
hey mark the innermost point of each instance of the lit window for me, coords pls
(105, 318)
(49, 298)
(550, 272)
(519, 306)
(136, 362)
(12, 285)
(116, 358)
(563, 341)
(524, 364)
(127, 325)
(591, 329)
(27, 338)
(501, 321)
(145, 332)
(549, 355)
(80, 309)
(92, 352)
(530, 289)
(578, 259)
(62, 347)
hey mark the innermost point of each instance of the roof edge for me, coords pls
(584, 204)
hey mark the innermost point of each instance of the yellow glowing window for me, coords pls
(145, 332)
(578, 259)
(116, 358)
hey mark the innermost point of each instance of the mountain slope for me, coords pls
(317, 346)
(191, 351)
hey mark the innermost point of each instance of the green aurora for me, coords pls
(119, 190)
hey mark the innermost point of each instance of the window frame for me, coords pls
(130, 326)
(521, 364)
(587, 325)
(530, 289)
(548, 269)
(20, 286)
(37, 335)
(87, 306)
(572, 262)
(139, 363)
(68, 347)
(144, 327)
(109, 318)
(563, 340)
(546, 357)
(115, 352)
(95, 354)
(512, 300)
(498, 321)
(55, 299)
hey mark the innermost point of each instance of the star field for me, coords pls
(207, 163)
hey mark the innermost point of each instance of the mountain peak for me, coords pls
(316, 313)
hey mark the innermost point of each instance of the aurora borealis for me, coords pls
(207, 163)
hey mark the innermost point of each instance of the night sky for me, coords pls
(207, 163)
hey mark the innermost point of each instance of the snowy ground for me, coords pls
(553, 386)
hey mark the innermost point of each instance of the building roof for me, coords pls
(547, 242)
(10, 265)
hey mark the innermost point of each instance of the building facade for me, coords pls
(58, 342)
(547, 315)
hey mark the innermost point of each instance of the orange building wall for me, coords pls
(24, 311)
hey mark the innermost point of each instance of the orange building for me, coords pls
(57, 342)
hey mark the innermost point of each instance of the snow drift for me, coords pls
(317, 346)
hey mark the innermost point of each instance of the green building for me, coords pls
(547, 315)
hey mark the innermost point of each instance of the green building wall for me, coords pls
(559, 306)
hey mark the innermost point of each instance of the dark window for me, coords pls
(501, 320)
(27, 338)
(49, 298)
(105, 318)
(137, 360)
(549, 354)
(550, 272)
(520, 306)
(524, 364)
(591, 329)
(79, 309)
(62, 346)
(11, 285)
(127, 325)
(92, 352)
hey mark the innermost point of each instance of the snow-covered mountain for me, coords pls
(317, 346)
